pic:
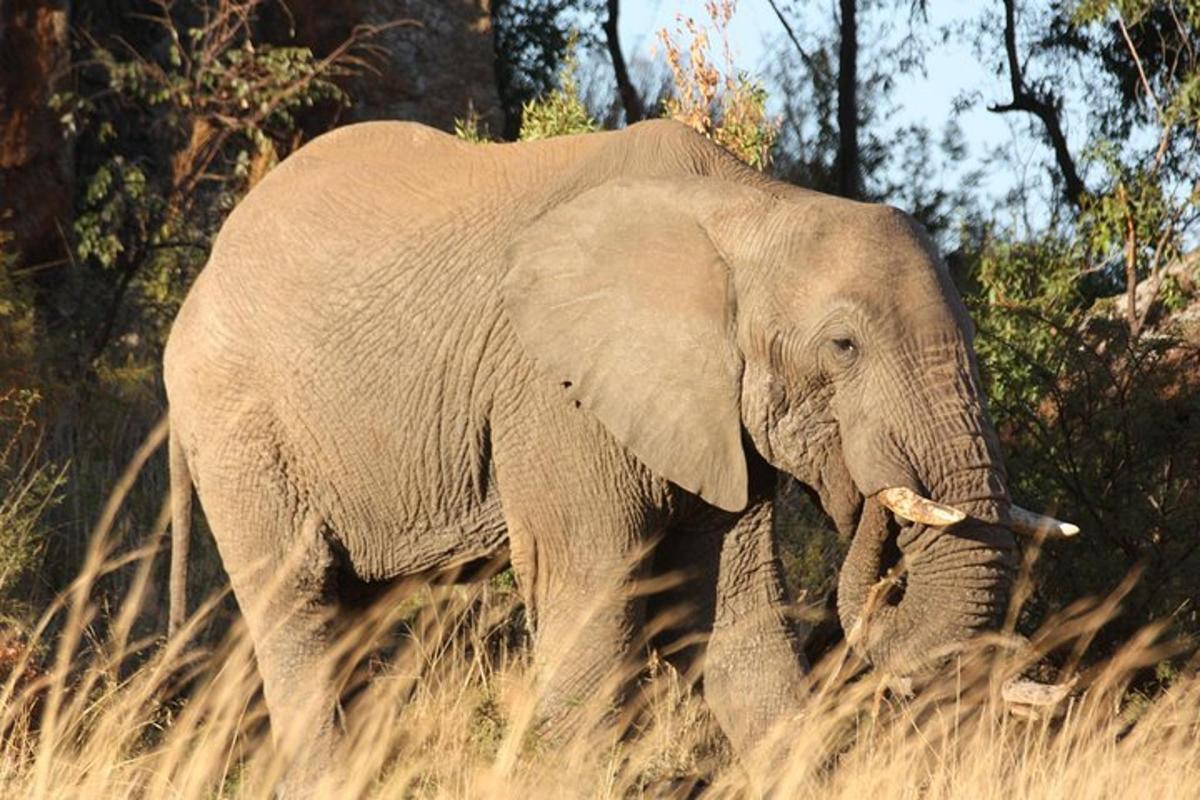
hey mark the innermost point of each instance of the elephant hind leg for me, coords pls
(291, 610)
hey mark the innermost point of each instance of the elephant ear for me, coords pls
(621, 298)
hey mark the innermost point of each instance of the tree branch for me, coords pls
(804, 56)
(1164, 140)
(1046, 109)
(634, 111)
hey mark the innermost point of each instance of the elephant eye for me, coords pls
(845, 350)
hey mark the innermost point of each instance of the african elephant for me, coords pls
(408, 353)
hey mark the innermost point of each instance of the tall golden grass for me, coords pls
(443, 705)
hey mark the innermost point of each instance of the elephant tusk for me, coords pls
(1030, 523)
(909, 505)
(913, 507)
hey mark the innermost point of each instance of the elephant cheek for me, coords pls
(874, 459)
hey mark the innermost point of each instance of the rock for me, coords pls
(432, 72)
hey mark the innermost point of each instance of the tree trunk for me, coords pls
(35, 158)
(634, 112)
(848, 168)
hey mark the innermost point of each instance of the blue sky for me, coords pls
(951, 69)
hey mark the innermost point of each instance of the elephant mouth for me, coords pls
(910, 592)
(923, 577)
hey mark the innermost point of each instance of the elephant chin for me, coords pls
(909, 596)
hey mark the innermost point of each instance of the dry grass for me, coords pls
(444, 708)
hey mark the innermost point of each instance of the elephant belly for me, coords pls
(383, 540)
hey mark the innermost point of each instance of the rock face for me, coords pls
(35, 158)
(431, 70)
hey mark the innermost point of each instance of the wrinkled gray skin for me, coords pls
(409, 353)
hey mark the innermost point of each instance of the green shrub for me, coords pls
(221, 107)
(471, 128)
(561, 112)
(16, 320)
(174, 115)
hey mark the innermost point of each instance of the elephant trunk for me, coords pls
(954, 582)
(956, 564)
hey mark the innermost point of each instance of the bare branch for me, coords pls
(804, 56)
(1046, 109)
(1165, 139)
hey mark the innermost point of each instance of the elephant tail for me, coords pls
(181, 530)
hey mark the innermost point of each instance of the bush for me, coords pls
(168, 140)
(1099, 426)
(173, 115)
(723, 103)
(561, 112)
(29, 486)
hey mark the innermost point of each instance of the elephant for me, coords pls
(591, 356)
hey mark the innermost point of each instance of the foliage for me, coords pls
(532, 39)
(169, 140)
(1027, 292)
(1092, 368)
(1146, 50)
(16, 319)
(560, 112)
(919, 168)
(472, 127)
(173, 114)
(724, 104)
(1099, 428)
(28, 487)
(29, 483)
(810, 550)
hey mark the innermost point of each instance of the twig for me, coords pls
(1165, 139)
(1138, 62)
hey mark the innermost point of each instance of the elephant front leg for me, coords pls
(754, 666)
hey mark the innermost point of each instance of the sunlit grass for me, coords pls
(441, 700)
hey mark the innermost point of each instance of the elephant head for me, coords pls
(697, 318)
